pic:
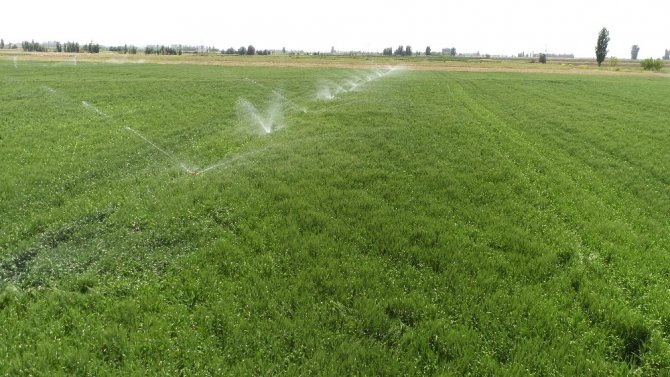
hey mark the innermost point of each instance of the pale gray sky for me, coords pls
(488, 26)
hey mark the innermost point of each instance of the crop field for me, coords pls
(228, 220)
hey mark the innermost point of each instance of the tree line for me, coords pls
(125, 49)
(32, 46)
(250, 50)
(179, 50)
(75, 47)
(399, 51)
(94, 48)
(67, 47)
(162, 50)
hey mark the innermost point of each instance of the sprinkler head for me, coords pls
(194, 173)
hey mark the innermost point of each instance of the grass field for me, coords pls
(392, 222)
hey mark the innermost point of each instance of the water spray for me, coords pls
(294, 105)
(93, 108)
(228, 161)
(269, 121)
(171, 156)
(330, 90)
(277, 93)
(182, 165)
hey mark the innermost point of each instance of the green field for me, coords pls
(409, 223)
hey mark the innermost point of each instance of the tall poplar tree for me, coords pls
(634, 51)
(601, 45)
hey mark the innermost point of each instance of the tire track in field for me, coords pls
(506, 139)
(582, 218)
(557, 103)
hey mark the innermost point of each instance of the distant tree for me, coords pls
(601, 45)
(2, 43)
(251, 50)
(242, 51)
(400, 51)
(408, 51)
(633, 52)
(388, 51)
(667, 55)
(332, 50)
(427, 50)
(32, 46)
(71, 47)
(283, 50)
(452, 52)
(543, 58)
(59, 47)
(167, 50)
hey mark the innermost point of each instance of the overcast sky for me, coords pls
(487, 26)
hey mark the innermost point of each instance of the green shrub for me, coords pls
(652, 64)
